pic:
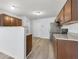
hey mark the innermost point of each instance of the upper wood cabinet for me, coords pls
(13, 21)
(6, 20)
(19, 23)
(69, 13)
(74, 10)
(61, 16)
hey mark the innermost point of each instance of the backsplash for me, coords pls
(72, 28)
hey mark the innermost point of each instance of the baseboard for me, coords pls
(6, 55)
(40, 38)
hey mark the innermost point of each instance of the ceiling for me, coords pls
(50, 8)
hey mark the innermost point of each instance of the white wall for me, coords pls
(41, 27)
(27, 24)
(73, 28)
(12, 41)
(4, 12)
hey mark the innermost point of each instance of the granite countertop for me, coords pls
(69, 36)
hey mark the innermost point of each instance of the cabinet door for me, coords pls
(61, 18)
(67, 11)
(18, 22)
(72, 50)
(28, 44)
(13, 22)
(55, 48)
(61, 53)
(7, 21)
(67, 49)
(75, 10)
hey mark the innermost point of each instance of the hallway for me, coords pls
(42, 49)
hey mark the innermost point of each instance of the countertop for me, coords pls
(69, 36)
(29, 34)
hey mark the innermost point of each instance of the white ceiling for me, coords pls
(25, 7)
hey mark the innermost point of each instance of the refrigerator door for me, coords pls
(54, 28)
(12, 41)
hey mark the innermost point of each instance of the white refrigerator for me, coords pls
(12, 42)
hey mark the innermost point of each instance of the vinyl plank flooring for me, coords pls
(42, 49)
(4, 56)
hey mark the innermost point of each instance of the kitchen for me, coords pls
(44, 36)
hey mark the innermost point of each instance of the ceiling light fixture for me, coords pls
(12, 7)
(37, 13)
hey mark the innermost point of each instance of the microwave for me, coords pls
(64, 31)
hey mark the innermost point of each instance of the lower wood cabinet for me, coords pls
(55, 48)
(28, 44)
(65, 49)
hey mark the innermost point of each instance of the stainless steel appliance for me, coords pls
(64, 31)
(54, 29)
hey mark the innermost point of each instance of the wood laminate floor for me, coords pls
(42, 49)
(4, 56)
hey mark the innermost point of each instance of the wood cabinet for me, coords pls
(18, 23)
(61, 17)
(28, 44)
(55, 48)
(65, 49)
(69, 13)
(0, 20)
(6, 20)
(74, 10)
